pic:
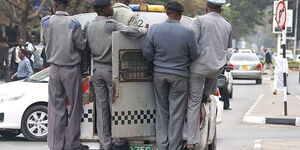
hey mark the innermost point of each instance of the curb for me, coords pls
(257, 145)
(277, 121)
(248, 118)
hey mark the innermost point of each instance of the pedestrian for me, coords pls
(63, 39)
(99, 38)
(124, 14)
(171, 47)
(15, 60)
(4, 64)
(30, 49)
(278, 74)
(24, 68)
(268, 62)
(213, 34)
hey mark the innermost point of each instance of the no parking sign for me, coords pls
(281, 15)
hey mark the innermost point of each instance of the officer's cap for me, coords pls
(215, 4)
(175, 6)
(100, 3)
(62, 1)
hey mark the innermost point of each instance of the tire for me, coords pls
(10, 134)
(35, 123)
(231, 93)
(258, 81)
(213, 145)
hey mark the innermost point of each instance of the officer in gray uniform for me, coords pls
(213, 34)
(99, 39)
(63, 39)
(172, 47)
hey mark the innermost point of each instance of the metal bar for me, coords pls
(285, 70)
(296, 28)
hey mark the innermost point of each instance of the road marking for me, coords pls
(297, 122)
(254, 119)
(257, 145)
(254, 105)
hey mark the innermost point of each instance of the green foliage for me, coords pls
(294, 64)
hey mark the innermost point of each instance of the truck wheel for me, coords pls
(35, 123)
(258, 81)
(213, 145)
(10, 134)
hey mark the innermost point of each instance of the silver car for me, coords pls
(246, 66)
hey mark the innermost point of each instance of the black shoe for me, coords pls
(82, 147)
(288, 93)
(227, 108)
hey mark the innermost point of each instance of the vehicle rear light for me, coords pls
(217, 93)
(231, 66)
(258, 67)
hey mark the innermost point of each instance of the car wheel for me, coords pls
(10, 134)
(231, 93)
(213, 145)
(258, 81)
(35, 123)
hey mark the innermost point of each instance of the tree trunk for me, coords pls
(23, 30)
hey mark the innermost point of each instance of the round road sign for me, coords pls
(281, 15)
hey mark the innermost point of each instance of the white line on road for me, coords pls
(254, 119)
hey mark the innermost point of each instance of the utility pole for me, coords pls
(296, 27)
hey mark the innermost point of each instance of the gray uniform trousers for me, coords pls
(171, 100)
(198, 85)
(102, 81)
(64, 83)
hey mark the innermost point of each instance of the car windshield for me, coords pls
(42, 76)
(244, 57)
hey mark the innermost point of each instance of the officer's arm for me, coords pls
(196, 27)
(129, 31)
(230, 39)
(194, 53)
(148, 48)
(78, 37)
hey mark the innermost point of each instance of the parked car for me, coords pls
(245, 51)
(289, 55)
(297, 58)
(246, 66)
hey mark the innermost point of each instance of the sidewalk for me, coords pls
(269, 109)
(276, 144)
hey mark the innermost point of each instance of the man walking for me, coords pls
(4, 65)
(99, 38)
(268, 62)
(171, 59)
(24, 67)
(124, 14)
(63, 39)
(213, 34)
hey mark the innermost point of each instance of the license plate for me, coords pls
(245, 67)
(141, 147)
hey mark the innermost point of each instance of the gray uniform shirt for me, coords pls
(171, 46)
(99, 38)
(213, 34)
(63, 38)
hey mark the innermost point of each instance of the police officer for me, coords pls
(63, 39)
(99, 38)
(124, 14)
(213, 34)
(171, 59)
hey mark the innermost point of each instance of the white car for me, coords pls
(245, 51)
(297, 58)
(23, 107)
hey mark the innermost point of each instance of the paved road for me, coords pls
(235, 135)
(232, 133)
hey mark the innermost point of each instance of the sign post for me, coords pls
(281, 17)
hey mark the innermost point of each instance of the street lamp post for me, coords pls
(296, 28)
